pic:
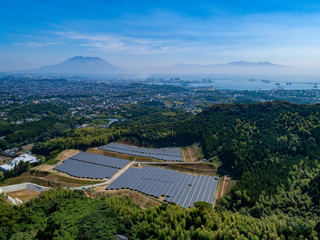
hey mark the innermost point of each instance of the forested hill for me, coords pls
(271, 148)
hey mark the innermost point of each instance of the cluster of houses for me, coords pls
(24, 157)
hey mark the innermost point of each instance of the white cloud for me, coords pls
(280, 38)
(115, 43)
(31, 44)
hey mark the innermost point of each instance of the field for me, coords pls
(24, 194)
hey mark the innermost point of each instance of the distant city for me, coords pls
(86, 97)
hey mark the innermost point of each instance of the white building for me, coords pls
(24, 157)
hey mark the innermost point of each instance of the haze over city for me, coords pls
(169, 120)
(142, 34)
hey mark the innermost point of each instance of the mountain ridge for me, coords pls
(96, 65)
(235, 67)
(233, 63)
(80, 64)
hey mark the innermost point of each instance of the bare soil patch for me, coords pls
(44, 168)
(5, 160)
(24, 194)
(187, 155)
(66, 154)
(191, 154)
(194, 153)
(27, 148)
(68, 179)
(36, 180)
(224, 185)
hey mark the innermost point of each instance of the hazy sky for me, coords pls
(145, 33)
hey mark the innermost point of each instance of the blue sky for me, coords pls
(149, 33)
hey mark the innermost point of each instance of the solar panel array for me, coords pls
(88, 165)
(100, 160)
(166, 154)
(183, 189)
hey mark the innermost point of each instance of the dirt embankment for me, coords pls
(49, 179)
(137, 198)
(197, 168)
(66, 154)
(224, 185)
(191, 154)
(61, 157)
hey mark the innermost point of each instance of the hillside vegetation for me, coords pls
(271, 148)
(65, 214)
(272, 151)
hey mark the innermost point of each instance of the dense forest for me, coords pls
(275, 144)
(65, 214)
(150, 113)
(45, 121)
(36, 111)
(147, 114)
(271, 149)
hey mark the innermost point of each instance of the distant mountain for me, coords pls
(252, 64)
(232, 67)
(95, 65)
(80, 65)
(235, 64)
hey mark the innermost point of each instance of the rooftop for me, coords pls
(24, 157)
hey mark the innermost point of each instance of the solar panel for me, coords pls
(87, 165)
(100, 160)
(187, 189)
(184, 189)
(167, 154)
(180, 190)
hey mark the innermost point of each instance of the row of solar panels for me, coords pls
(100, 160)
(183, 189)
(164, 157)
(175, 152)
(86, 170)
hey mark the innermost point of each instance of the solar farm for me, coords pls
(168, 185)
(180, 188)
(166, 154)
(88, 165)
